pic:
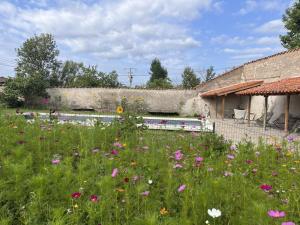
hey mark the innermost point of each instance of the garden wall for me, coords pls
(184, 102)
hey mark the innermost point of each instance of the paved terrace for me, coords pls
(238, 131)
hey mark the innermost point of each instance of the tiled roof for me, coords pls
(232, 88)
(253, 61)
(281, 87)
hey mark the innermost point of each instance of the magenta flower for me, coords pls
(266, 187)
(288, 223)
(94, 198)
(230, 156)
(177, 165)
(145, 193)
(178, 155)
(76, 195)
(249, 161)
(276, 214)
(199, 159)
(114, 152)
(114, 172)
(55, 161)
(181, 188)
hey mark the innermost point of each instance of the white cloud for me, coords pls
(112, 29)
(273, 26)
(263, 5)
(268, 40)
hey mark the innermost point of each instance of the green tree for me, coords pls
(109, 79)
(88, 78)
(189, 78)
(38, 55)
(291, 20)
(210, 74)
(159, 76)
(70, 70)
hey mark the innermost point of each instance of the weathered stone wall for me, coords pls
(106, 100)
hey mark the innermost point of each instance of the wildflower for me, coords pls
(276, 214)
(230, 156)
(93, 198)
(214, 213)
(181, 188)
(114, 172)
(228, 174)
(288, 223)
(257, 153)
(120, 110)
(76, 195)
(266, 187)
(145, 193)
(114, 152)
(199, 159)
(150, 181)
(55, 161)
(133, 163)
(69, 211)
(178, 155)
(177, 165)
(233, 147)
(290, 138)
(254, 171)
(163, 211)
(249, 161)
(75, 206)
(207, 222)
(118, 144)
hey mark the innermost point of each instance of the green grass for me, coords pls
(34, 191)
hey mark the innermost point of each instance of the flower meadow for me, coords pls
(69, 174)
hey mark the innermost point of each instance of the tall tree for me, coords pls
(159, 76)
(70, 70)
(157, 71)
(38, 55)
(291, 20)
(189, 78)
(210, 74)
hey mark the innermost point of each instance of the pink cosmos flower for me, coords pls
(76, 195)
(199, 159)
(118, 144)
(181, 188)
(230, 156)
(55, 161)
(114, 152)
(114, 172)
(178, 155)
(94, 198)
(145, 193)
(177, 165)
(276, 214)
(288, 223)
(266, 187)
(249, 161)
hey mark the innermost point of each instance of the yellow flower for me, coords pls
(124, 145)
(75, 206)
(120, 110)
(163, 211)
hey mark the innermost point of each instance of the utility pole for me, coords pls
(130, 75)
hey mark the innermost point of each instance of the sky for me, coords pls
(122, 34)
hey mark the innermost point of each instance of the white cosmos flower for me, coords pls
(150, 181)
(214, 213)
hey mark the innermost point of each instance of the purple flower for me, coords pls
(276, 214)
(233, 147)
(177, 165)
(114, 172)
(114, 152)
(230, 156)
(290, 138)
(55, 161)
(145, 193)
(266, 187)
(181, 188)
(178, 155)
(288, 223)
(118, 144)
(199, 159)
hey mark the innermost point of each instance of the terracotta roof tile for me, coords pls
(281, 87)
(232, 88)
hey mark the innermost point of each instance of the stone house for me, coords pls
(268, 69)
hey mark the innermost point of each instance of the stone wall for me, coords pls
(184, 102)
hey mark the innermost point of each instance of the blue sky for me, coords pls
(118, 34)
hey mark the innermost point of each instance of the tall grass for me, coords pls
(43, 164)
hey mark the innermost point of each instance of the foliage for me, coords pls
(159, 76)
(291, 21)
(210, 74)
(11, 94)
(62, 174)
(189, 78)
